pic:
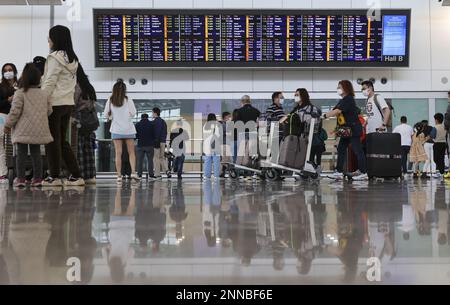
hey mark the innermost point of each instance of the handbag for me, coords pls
(341, 130)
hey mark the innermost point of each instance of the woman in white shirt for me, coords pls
(121, 110)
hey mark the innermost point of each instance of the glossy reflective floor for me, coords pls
(230, 232)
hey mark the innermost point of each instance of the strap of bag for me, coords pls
(375, 98)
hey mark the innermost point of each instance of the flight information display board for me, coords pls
(248, 38)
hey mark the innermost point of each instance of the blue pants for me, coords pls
(215, 160)
(178, 164)
(357, 149)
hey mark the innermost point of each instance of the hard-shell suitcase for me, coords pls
(384, 155)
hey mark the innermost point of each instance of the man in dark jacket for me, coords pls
(247, 145)
(160, 132)
(145, 146)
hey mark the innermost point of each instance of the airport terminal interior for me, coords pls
(262, 222)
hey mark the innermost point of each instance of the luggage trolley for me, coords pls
(272, 170)
(235, 169)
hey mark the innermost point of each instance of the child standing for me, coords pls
(417, 153)
(29, 119)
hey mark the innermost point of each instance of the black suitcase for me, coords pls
(384, 153)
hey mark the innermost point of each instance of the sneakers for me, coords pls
(361, 177)
(355, 173)
(336, 176)
(180, 177)
(90, 181)
(135, 177)
(20, 182)
(447, 175)
(436, 176)
(74, 182)
(4, 180)
(119, 179)
(52, 182)
(169, 174)
(36, 182)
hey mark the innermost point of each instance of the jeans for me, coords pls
(357, 149)
(430, 166)
(405, 152)
(142, 152)
(215, 159)
(178, 164)
(235, 151)
(439, 156)
(60, 149)
(35, 153)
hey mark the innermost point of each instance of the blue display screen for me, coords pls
(394, 35)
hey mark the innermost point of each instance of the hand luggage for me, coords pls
(293, 151)
(351, 162)
(288, 150)
(384, 154)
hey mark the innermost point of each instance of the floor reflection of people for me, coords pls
(177, 211)
(418, 199)
(86, 245)
(301, 240)
(121, 234)
(408, 221)
(243, 228)
(157, 215)
(210, 211)
(4, 273)
(351, 231)
(279, 235)
(29, 236)
(443, 219)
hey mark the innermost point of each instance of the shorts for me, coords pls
(116, 136)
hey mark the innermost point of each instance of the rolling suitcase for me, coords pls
(384, 155)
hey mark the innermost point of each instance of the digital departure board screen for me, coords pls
(249, 38)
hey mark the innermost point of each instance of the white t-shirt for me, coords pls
(374, 116)
(122, 117)
(405, 132)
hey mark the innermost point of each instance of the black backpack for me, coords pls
(87, 121)
(294, 125)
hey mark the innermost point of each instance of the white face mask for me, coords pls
(340, 91)
(8, 75)
(297, 99)
(281, 101)
(366, 92)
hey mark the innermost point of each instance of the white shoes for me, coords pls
(91, 181)
(361, 177)
(336, 176)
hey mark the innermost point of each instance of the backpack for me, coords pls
(391, 108)
(293, 126)
(87, 121)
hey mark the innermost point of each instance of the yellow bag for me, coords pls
(341, 120)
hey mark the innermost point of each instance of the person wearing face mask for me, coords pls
(275, 111)
(348, 109)
(8, 86)
(378, 112)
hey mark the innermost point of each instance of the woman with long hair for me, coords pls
(59, 81)
(347, 109)
(85, 98)
(8, 86)
(121, 110)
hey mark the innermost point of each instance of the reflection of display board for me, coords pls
(249, 38)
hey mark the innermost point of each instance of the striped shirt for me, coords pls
(273, 114)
